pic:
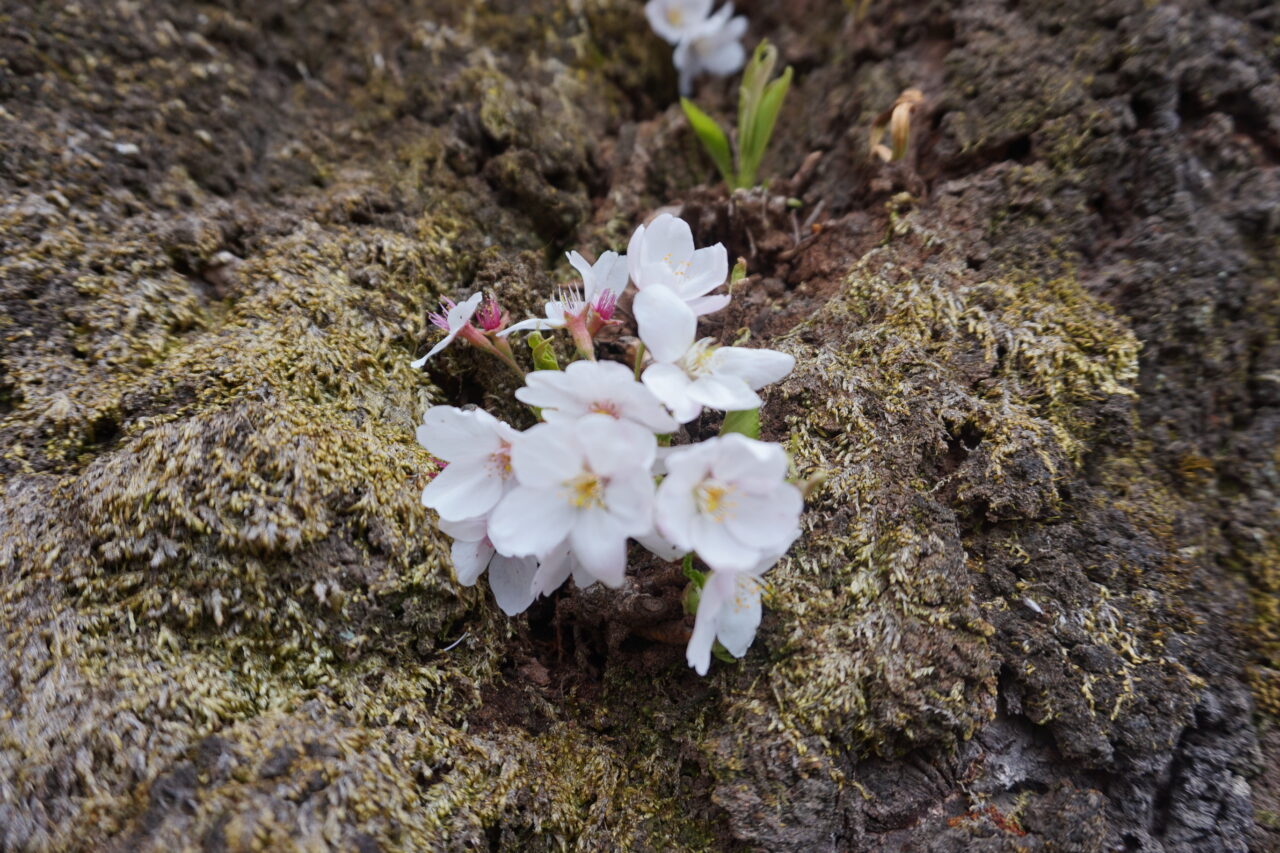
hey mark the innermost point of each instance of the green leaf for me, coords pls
(763, 122)
(689, 600)
(544, 357)
(754, 77)
(746, 422)
(722, 654)
(699, 578)
(713, 138)
(693, 592)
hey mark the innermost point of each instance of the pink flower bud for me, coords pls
(490, 316)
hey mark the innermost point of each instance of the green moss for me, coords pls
(879, 643)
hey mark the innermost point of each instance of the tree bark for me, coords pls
(1036, 605)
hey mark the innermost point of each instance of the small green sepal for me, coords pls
(746, 422)
(544, 357)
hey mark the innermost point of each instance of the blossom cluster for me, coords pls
(705, 42)
(562, 498)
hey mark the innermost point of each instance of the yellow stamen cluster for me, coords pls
(713, 499)
(501, 461)
(606, 407)
(586, 490)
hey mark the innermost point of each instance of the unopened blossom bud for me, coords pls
(490, 316)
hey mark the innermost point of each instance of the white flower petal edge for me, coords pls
(556, 567)
(477, 448)
(609, 272)
(594, 387)
(510, 578)
(457, 319)
(667, 324)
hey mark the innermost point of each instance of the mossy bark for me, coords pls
(1035, 604)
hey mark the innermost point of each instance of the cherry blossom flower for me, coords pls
(661, 254)
(600, 387)
(510, 578)
(727, 498)
(602, 283)
(714, 46)
(586, 481)
(455, 319)
(477, 447)
(728, 611)
(673, 19)
(689, 374)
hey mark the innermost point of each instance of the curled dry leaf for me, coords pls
(897, 119)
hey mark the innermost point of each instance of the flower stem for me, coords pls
(639, 359)
(581, 337)
(502, 349)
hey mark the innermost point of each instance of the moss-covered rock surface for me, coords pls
(1036, 605)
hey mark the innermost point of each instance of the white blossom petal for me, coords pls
(708, 269)
(724, 393)
(671, 385)
(698, 652)
(600, 546)
(671, 19)
(629, 498)
(612, 446)
(554, 319)
(463, 491)
(704, 305)
(554, 568)
(719, 548)
(530, 521)
(511, 579)
(657, 545)
(542, 455)
(739, 615)
(591, 387)
(674, 513)
(537, 324)
(756, 367)
(583, 266)
(667, 325)
(667, 241)
(450, 433)
(761, 521)
(470, 559)
(742, 459)
(468, 529)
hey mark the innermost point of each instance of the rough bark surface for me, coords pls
(1037, 602)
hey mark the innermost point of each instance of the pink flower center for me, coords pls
(606, 304)
(605, 407)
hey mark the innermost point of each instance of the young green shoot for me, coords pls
(759, 102)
